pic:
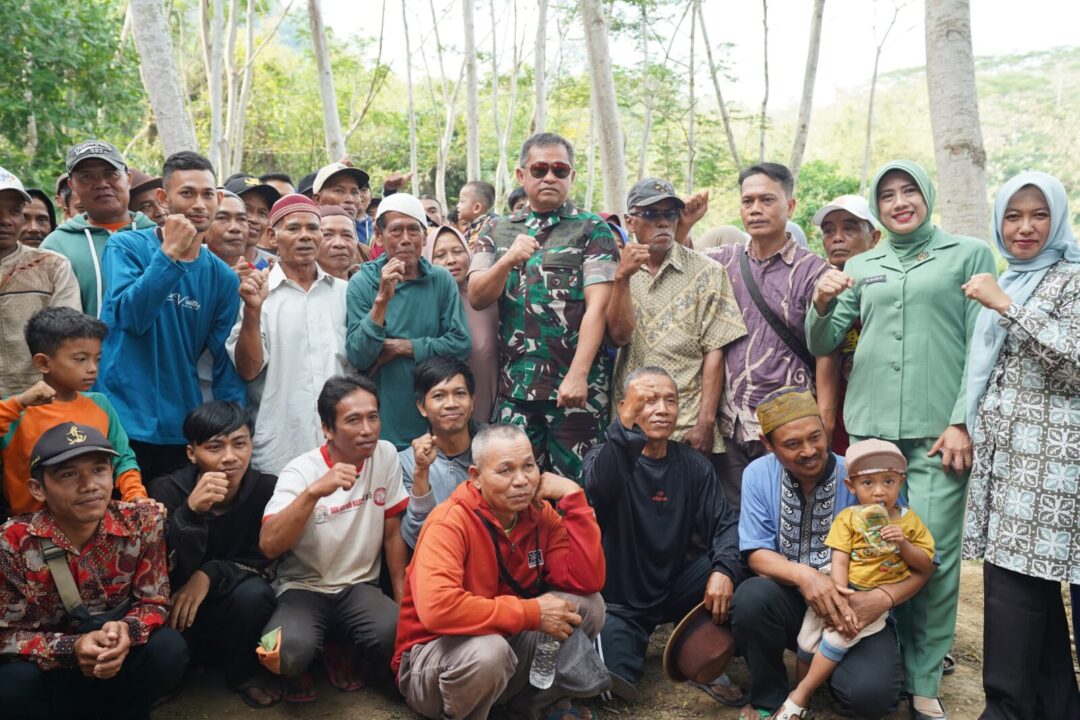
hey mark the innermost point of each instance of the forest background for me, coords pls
(252, 91)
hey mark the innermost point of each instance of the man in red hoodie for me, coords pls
(497, 569)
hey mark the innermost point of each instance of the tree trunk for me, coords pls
(590, 181)
(412, 112)
(612, 152)
(646, 99)
(954, 118)
(160, 76)
(212, 35)
(335, 141)
(765, 98)
(503, 170)
(539, 68)
(472, 92)
(798, 149)
(865, 177)
(450, 108)
(690, 140)
(725, 116)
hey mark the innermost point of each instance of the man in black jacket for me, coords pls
(669, 537)
(222, 598)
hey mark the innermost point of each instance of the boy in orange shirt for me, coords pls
(66, 349)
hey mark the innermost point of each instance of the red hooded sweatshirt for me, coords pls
(453, 585)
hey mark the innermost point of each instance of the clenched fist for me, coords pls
(209, 490)
(828, 287)
(178, 236)
(40, 393)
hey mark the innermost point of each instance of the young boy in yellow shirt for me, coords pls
(874, 544)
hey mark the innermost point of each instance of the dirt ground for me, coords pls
(205, 696)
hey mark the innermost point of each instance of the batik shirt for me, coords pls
(543, 302)
(1024, 492)
(124, 559)
(681, 314)
(760, 362)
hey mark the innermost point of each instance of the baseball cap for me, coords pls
(405, 204)
(649, 191)
(304, 186)
(854, 204)
(291, 204)
(10, 182)
(95, 149)
(140, 181)
(870, 456)
(243, 183)
(328, 171)
(65, 441)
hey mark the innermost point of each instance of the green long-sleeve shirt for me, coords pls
(909, 374)
(427, 311)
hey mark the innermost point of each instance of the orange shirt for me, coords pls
(21, 428)
(111, 227)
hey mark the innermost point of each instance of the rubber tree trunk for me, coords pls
(954, 118)
(472, 91)
(161, 78)
(335, 141)
(609, 128)
(798, 148)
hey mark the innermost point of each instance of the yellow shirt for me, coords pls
(871, 564)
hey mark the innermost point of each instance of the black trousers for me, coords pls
(156, 460)
(149, 672)
(227, 630)
(766, 618)
(625, 636)
(729, 466)
(1027, 663)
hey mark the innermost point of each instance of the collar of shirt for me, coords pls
(786, 252)
(539, 221)
(43, 525)
(277, 277)
(884, 252)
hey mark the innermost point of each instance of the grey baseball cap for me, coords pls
(649, 191)
(95, 149)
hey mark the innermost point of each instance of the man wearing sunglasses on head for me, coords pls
(673, 308)
(551, 267)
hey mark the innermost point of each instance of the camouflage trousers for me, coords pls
(560, 436)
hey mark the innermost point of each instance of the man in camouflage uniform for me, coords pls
(551, 267)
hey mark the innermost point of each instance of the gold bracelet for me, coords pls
(892, 602)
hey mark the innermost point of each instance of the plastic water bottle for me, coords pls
(542, 671)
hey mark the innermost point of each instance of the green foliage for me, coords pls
(819, 182)
(68, 75)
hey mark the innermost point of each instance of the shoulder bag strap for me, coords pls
(56, 559)
(778, 325)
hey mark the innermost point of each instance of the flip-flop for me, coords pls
(255, 704)
(301, 690)
(948, 665)
(725, 682)
(338, 664)
(749, 712)
(572, 712)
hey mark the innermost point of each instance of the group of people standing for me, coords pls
(422, 450)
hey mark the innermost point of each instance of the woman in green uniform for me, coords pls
(908, 385)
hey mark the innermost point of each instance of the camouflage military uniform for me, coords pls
(540, 315)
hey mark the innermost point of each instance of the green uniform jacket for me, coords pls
(910, 374)
(70, 241)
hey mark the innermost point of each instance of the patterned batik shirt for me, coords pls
(760, 362)
(543, 302)
(124, 559)
(682, 313)
(1024, 492)
(805, 522)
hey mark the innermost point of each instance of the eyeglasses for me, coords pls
(651, 215)
(540, 169)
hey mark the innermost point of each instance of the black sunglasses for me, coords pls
(651, 215)
(540, 169)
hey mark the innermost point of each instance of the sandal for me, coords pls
(572, 712)
(790, 710)
(948, 665)
(266, 684)
(341, 668)
(723, 682)
(300, 689)
(749, 712)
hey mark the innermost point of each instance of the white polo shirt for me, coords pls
(303, 344)
(342, 542)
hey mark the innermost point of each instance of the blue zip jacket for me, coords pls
(162, 314)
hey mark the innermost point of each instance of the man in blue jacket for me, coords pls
(168, 299)
(402, 310)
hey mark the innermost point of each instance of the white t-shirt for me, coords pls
(342, 542)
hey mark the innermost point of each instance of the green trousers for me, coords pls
(926, 623)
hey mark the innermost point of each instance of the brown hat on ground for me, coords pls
(873, 456)
(698, 650)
